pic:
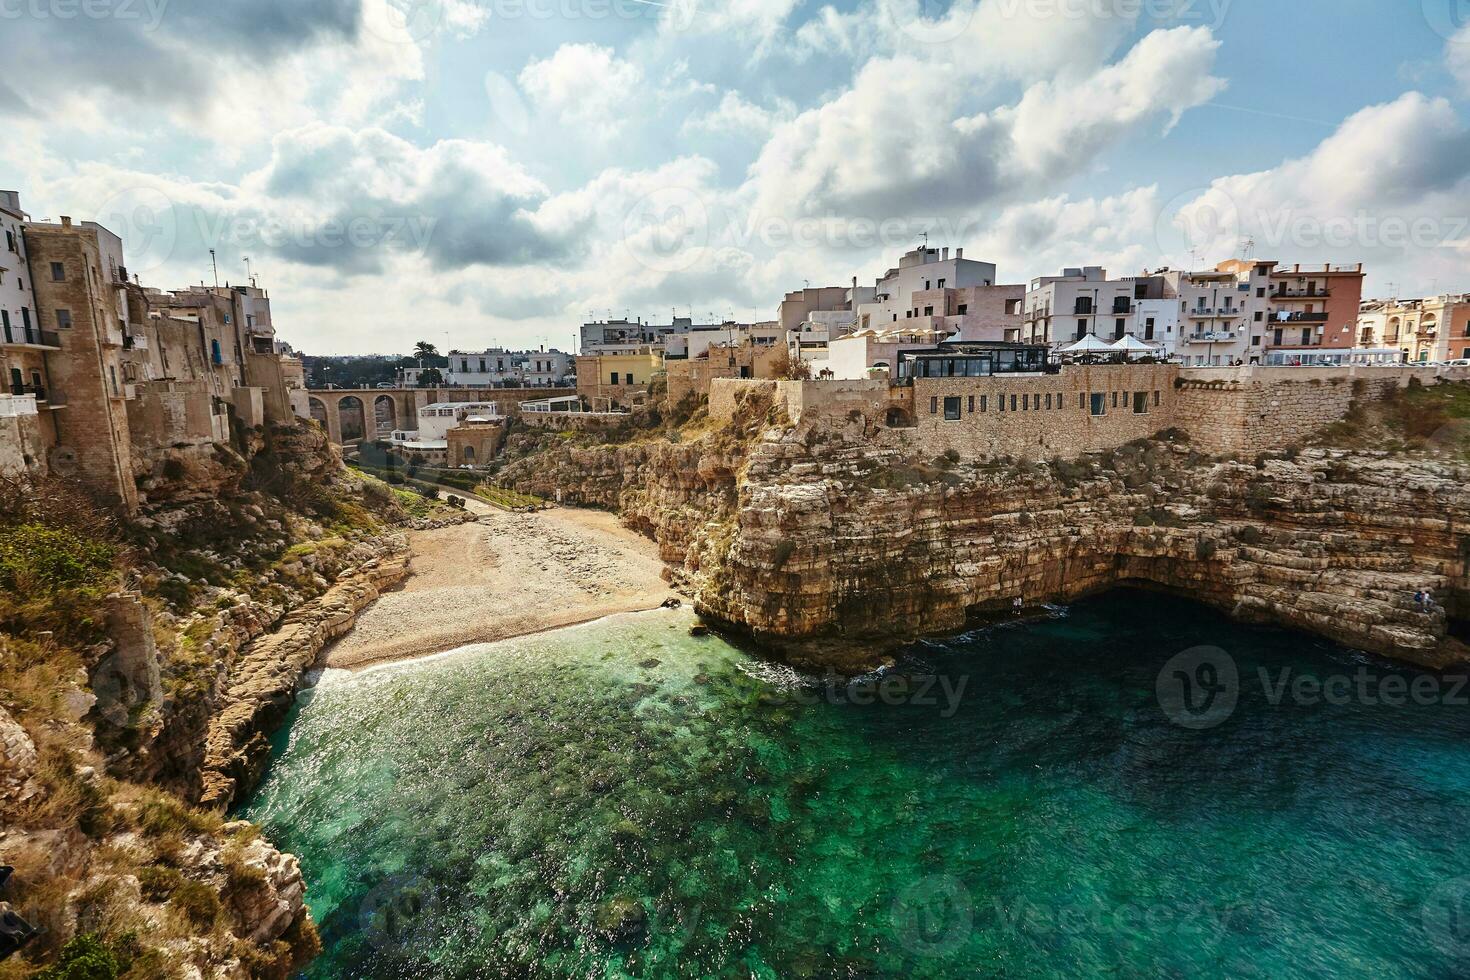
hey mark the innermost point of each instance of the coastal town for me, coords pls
(126, 387)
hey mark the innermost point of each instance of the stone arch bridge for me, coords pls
(351, 415)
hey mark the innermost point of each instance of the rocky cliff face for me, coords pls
(820, 541)
(147, 687)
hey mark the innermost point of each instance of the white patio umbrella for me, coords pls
(1131, 345)
(1087, 345)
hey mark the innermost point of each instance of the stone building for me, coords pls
(744, 360)
(82, 290)
(618, 380)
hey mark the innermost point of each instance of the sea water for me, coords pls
(1027, 800)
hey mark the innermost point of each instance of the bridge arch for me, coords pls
(352, 419)
(385, 415)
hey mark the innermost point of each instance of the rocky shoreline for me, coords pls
(825, 544)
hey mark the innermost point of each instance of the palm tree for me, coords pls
(425, 349)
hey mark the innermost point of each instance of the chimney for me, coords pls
(959, 253)
(945, 257)
(65, 221)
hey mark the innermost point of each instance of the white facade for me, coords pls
(17, 300)
(497, 367)
(920, 270)
(1224, 314)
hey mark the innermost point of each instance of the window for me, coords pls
(1115, 399)
(1048, 402)
(614, 379)
(941, 284)
(1099, 403)
(960, 311)
(926, 283)
(1259, 316)
(1025, 403)
(63, 319)
(972, 404)
(1156, 398)
(984, 398)
(951, 408)
(933, 405)
(1081, 329)
(1256, 341)
(58, 272)
(1306, 335)
(1013, 403)
(1081, 400)
(5, 324)
(928, 311)
(1140, 403)
(629, 378)
(1000, 403)
(1118, 328)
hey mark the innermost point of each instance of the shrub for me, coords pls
(174, 469)
(34, 556)
(1205, 548)
(158, 882)
(784, 550)
(196, 902)
(84, 958)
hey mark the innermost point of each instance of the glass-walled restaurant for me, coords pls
(974, 360)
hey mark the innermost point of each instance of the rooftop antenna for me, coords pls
(1247, 247)
(1393, 291)
(215, 264)
(249, 275)
(1193, 260)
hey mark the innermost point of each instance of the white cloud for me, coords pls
(736, 116)
(585, 85)
(898, 139)
(1390, 187)
(1457, 57)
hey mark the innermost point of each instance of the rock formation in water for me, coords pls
(830, 544)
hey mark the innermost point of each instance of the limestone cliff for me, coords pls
(821, 540)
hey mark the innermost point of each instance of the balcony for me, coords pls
(1300, 318)
(14, 406)
(1212, 337)
(49, 399)
(135, 341)
(1301, 294)
(32, 337)
(1215, 311)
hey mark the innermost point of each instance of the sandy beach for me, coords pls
(508, 575)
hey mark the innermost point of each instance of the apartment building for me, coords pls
(959, 297)
(1315, 308)
(1223, 312)
(1435, 328)
(26, 419)
(629, 336)
(1084, 300)
(497, 367)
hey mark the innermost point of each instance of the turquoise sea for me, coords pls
(623, 799)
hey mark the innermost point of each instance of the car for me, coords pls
(385, 384)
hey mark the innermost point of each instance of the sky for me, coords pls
(479, 173)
